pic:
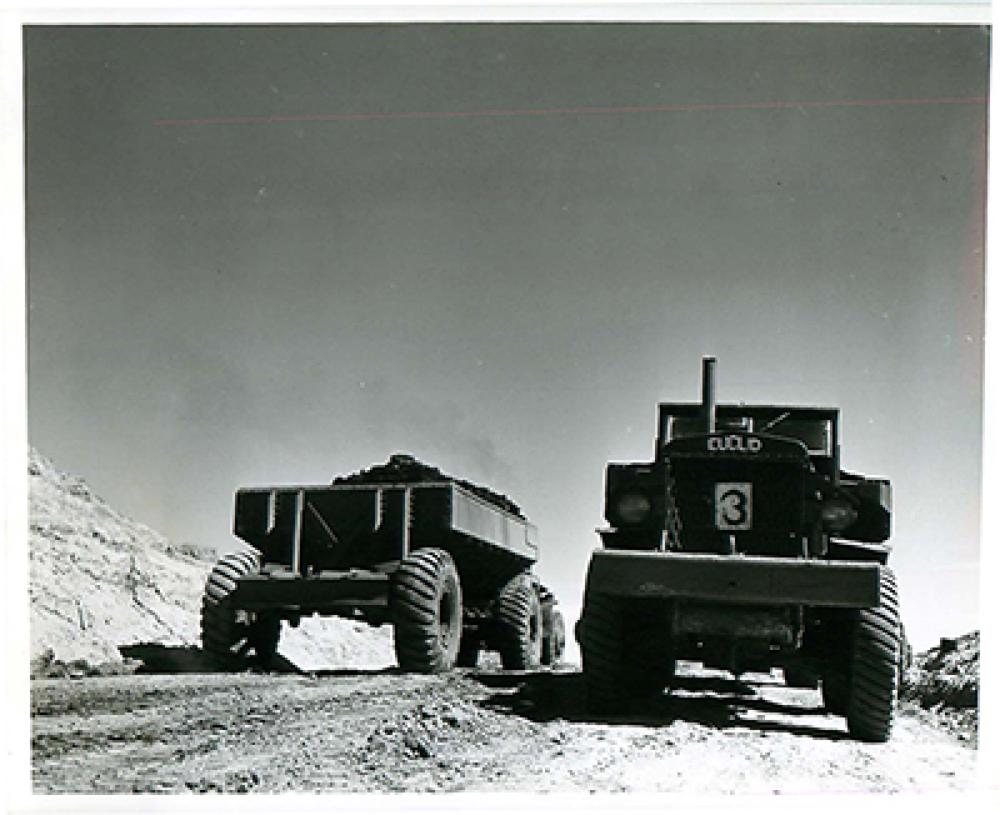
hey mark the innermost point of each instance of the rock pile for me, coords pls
(944, 681)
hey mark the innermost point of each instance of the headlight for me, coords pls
(837, 514)
(633, 508)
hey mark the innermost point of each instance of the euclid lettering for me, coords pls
(734, 444)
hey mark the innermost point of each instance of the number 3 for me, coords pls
(734, 507)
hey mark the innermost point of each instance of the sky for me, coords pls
(279, 254)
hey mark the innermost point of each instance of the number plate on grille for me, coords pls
(734, 506)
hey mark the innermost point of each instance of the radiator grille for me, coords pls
(776, 511)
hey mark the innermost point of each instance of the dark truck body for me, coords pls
(446, 562)
(332, 549)
(743, 545)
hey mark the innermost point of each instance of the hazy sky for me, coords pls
(507, 295)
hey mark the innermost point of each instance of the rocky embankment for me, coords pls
(101, 582)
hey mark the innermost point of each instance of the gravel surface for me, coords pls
(369, 731)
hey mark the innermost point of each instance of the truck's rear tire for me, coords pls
(426, 604)
(554, 640)
(229, 640)
(599, 633)
(519, 625)
(874, 665)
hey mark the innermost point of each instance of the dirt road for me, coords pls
(479, 731)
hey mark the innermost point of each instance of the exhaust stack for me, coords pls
(708, 393)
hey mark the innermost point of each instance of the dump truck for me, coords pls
(744, 546)
(446, 562)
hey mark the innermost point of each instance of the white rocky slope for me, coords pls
(100, 581)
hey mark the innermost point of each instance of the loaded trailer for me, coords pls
(743, 545)
(446, 563)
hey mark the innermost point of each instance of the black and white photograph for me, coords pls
(566, 407)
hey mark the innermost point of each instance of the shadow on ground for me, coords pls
(710, 701)
(187, 659)
(347, 672)
(166, 659)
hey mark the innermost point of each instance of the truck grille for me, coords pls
(776, 498)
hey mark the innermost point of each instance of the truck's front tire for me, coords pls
(602, 647)
(626, 654)
(519, 623)
(223, 635)
(874, 669)
(426, 605)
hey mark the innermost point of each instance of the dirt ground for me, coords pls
(367, 731)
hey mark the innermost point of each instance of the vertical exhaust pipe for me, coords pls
(708, 393)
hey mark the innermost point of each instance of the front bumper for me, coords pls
(734, 579)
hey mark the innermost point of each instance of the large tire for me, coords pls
(231, 641)
(519, 625)
(627, 654)
(554, 639)
(874, 665)
(426, 604)
(599, 633)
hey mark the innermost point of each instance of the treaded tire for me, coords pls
(874, 665)
(519, 625)
(554, 641)
(599, 632)
(230, 642)
(626, 656)
(426, 604)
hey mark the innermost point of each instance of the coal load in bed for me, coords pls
(405, 469)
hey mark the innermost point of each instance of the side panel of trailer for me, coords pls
(315, 529)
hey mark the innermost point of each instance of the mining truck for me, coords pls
(447, 563)
(744, 546)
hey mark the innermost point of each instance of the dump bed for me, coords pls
(344, 526)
